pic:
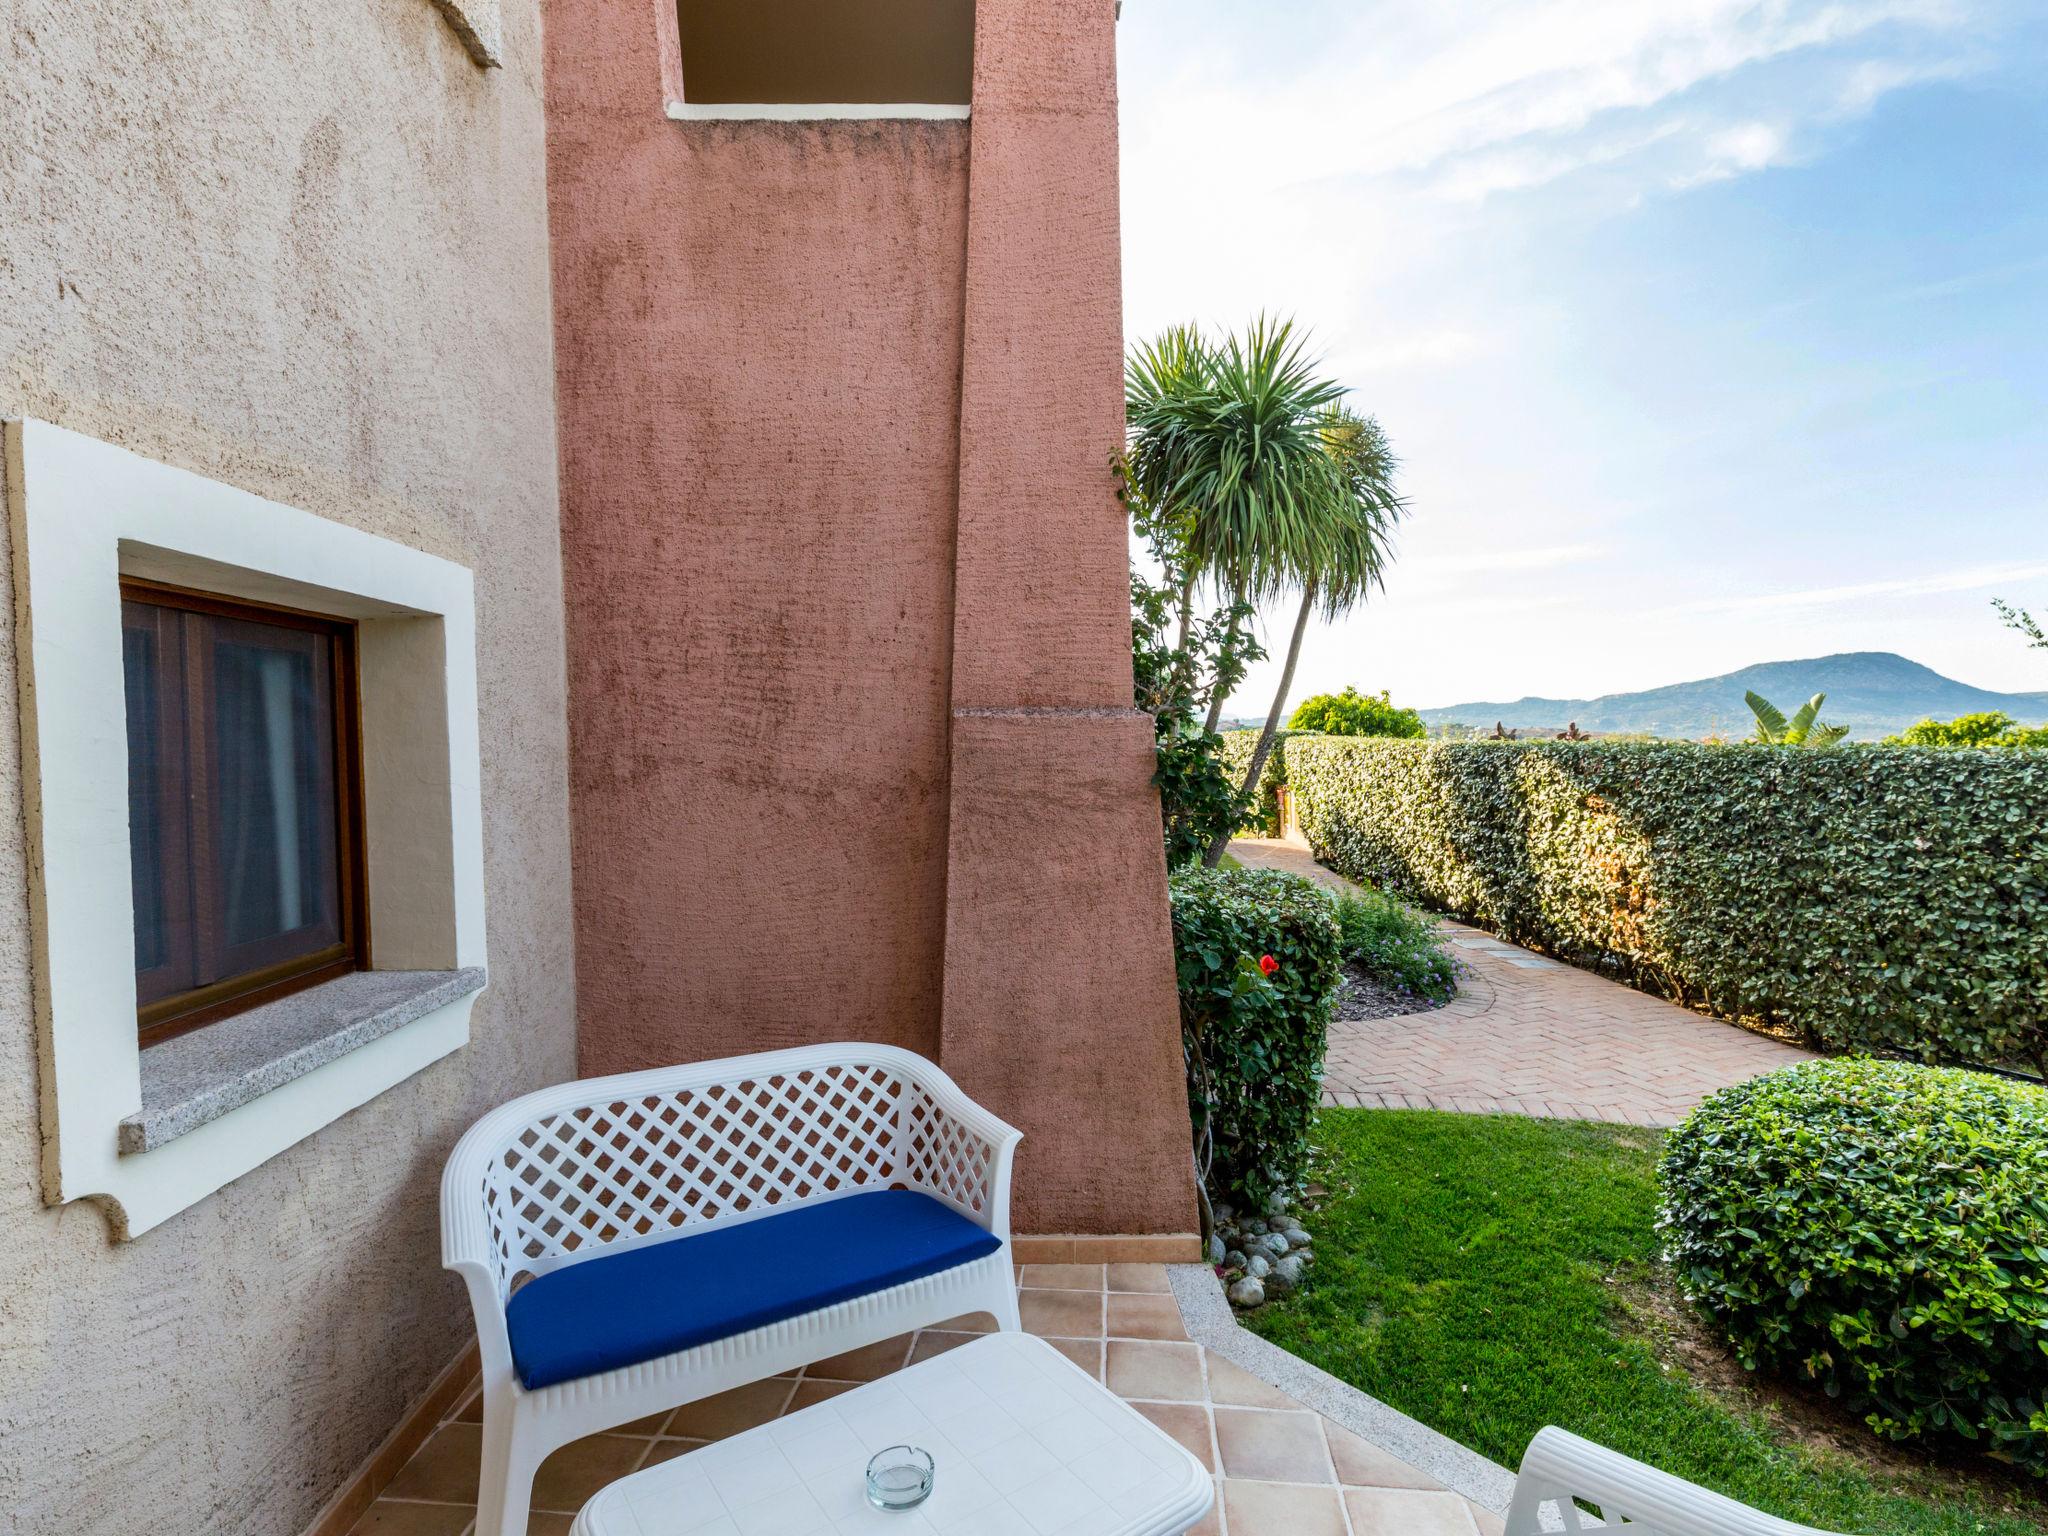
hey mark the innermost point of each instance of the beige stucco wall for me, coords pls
(301, 249)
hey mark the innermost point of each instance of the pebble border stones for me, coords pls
(1260, 1257)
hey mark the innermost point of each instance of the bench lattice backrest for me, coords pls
(639, 1167)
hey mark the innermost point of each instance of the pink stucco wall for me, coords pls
(852, 752)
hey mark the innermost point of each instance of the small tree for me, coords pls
(1352, 713)
(1225, 462)
(1336, 551)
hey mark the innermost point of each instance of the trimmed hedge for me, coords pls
(1263, 819)
(1880, 1229)
(1883, 899)
(1254, 1040)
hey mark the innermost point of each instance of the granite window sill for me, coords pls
(199, 1077)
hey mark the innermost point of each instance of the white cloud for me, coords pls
(1971, 579)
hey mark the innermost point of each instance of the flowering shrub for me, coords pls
(1880, 1229)
(1257, 956)
(1395, 944)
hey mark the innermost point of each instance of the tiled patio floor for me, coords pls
(1530, 1036)
(1281, 1469)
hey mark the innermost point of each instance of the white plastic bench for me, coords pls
(595, 1170)
(1561, 1472)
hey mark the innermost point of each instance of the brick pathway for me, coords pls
(1530, 1036)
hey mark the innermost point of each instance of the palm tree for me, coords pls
(1225, 450)
(1336, 555)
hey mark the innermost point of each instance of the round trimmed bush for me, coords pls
(1881, 1229)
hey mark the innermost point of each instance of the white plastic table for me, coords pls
(1023, 1442)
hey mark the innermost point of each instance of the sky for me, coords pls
(1708, 332)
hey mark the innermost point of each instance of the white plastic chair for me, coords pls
(1560, 1468)
(596, 1167)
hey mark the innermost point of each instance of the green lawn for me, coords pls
(1470, 1270)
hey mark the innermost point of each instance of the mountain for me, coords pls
(1874, 693)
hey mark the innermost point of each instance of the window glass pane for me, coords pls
(273, 822)
(237, 802)
(142, 664)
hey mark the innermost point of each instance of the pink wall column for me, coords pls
(1059, 1002)
(852, 751)
(758, 382)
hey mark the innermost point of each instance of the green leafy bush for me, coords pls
(1256, 951)
(1881, 1229)
(1352, 713)
(1891, 900)
(1392, 942)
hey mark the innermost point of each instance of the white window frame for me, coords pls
(84, 514)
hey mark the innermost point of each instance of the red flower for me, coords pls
(1268, 965)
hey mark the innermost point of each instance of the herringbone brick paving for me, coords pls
(1529, 1036)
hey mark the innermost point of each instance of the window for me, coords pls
(305, 753)
(243, 803)
(825, 58)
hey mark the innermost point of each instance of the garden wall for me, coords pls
(1870, 898)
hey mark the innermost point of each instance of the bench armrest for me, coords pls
(956, 1150)
(1559, 1467)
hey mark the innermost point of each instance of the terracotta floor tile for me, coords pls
(387, 1517)
(1145, 1317)
(871, 1362)
(933, 1342)
(1232, 1384)
(1408, 1512)
(1210, 1524)
(1361, 1464)
(713, 1418)
(1283, 1509)
(1062, 1314)
(1150, 1369)
(809, 1392)
(472, 1409)
(1186, 1422)
(1086, 1353)
(1488, 1522)
(1139, 1277)
(1272, 1447)
(668, 1450)
(548, 1524)
(651, 1425)
(968, 1322)
(1062, 1277)
(444, 1469)
(568, 1478)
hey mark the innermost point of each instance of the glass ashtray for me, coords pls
(899, 1477)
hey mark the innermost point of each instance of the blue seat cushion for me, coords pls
(622, 1308)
